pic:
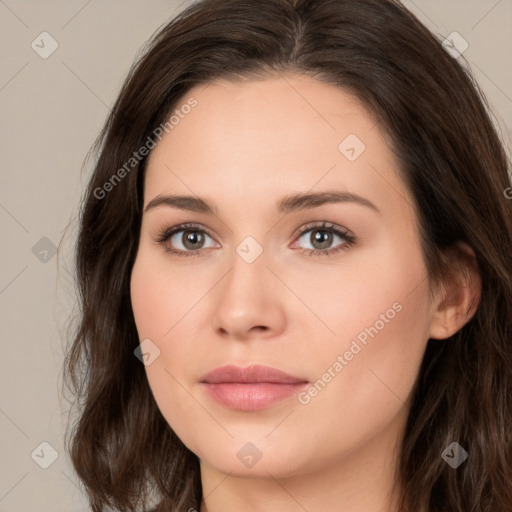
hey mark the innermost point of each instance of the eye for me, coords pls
(188, 238)
(322, 236)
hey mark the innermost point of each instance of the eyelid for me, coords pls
(348, 238)
(166, 234)
(321, 225)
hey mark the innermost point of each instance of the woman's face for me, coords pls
(260, 280)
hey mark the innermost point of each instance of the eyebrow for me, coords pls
(287, 204)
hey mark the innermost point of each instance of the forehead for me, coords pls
(257, 116)
(268, 137)
(278, 105)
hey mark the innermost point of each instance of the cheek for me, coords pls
(364, 377)
(362, 293)
(380, 314)
(364, 382)
(160, 296)
(160, 305)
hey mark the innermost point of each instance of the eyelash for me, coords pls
(349, 239)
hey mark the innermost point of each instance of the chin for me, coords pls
(255, 459)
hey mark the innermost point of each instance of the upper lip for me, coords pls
(251, 374)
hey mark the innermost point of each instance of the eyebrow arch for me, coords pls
(288, 204)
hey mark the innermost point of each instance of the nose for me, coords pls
(249, 301)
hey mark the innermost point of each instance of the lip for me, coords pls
(252, 388)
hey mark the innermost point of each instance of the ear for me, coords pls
(458, 296)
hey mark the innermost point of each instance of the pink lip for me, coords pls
(252, 388)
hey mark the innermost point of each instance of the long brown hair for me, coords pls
(456, 171)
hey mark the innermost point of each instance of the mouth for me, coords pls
(252, 388)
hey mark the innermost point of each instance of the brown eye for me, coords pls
(322, 237)
(184, 240)
(192, 239)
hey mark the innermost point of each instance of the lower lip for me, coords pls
(253, 396)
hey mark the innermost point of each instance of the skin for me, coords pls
(243, 147)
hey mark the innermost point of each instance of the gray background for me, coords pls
(51, 111)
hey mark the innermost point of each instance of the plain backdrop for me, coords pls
(52, 109)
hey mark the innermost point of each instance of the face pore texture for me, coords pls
(243, 148)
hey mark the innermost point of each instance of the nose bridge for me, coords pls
(249, 272)
(248, 296)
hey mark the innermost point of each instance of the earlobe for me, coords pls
(458, 296)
